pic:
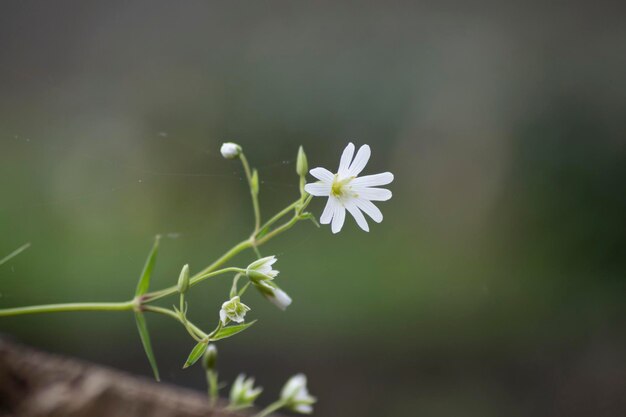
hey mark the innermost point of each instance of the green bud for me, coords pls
(302, 165)
(254, 182)
(209, 360)
(183, 279)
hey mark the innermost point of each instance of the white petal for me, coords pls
(358, 216)
(318, 189)
(280, 299)
(370, 209)
(303, 408)
(338, 218)
(346, 158)
(373, 194)
(360, 160)
(373, 180)
(322, 174)
(329, 210)
(223, 316)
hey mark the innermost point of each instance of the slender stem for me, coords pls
(57, 308)
(189, 325)
(280, 214)
(270, 408)
(193, 281)
(212, 382)
(241, 246)
(253, 194)
(200, 276)
(286, 226)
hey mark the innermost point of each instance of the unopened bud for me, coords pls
(230, 150)
(209, 360)
(183, 279)
(302, 165)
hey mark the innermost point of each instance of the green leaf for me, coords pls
(14, 253)
(145, 340)
(196, 353)
(144, 281)
(229, 331)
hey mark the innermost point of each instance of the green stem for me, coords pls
(286, 226)
(270, 408)
(212, 382)
(253, 194)
(280, 215)
(200, 276)
(241, 246)
(192, 328)
(193, 281)
(58, 308)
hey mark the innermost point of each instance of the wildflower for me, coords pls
(295, 395)
(233, 310)
(242, 393)
(261, 269)
(347, 191)
(230, 150)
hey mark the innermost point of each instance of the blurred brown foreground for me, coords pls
(39, 384)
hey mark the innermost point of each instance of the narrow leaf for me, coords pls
(229, 331)
(144, 280)
(196, 353)
(14, 253)
(145, 340)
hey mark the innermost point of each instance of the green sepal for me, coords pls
(254, 182)
(302, 165)
(144, 281)
(196, 353)
(229, 331)
(145, 340)
(310, 216)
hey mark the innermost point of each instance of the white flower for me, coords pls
(346, 191)
(296, 396)
(230, 150)
(243, 393)
(233, 310)
(274, 294)
(261, 270)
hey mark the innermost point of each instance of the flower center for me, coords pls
(337, 189)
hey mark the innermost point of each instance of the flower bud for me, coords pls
(209, 360)
(302, 165)
(274, 294)
(261, 269)
(183, 279)
(230, 150)
(296, 396)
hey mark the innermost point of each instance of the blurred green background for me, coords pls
(494, 286)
